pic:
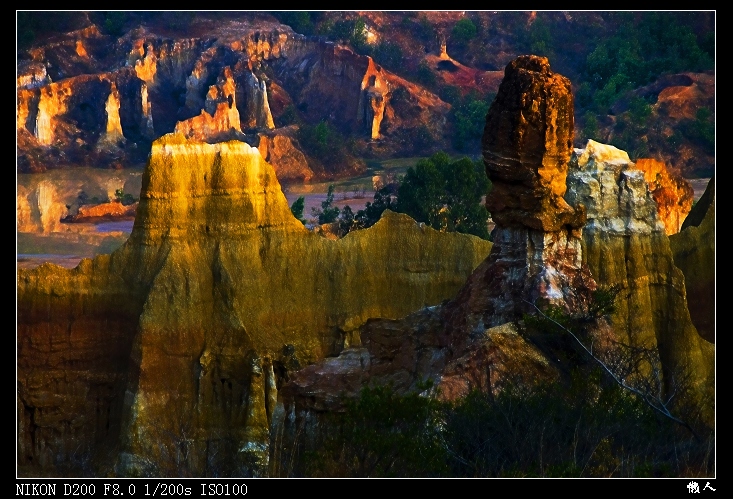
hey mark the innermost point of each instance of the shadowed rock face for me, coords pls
(694, 253)
(167, 355)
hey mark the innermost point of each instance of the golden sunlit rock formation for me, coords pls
(602, 228)
(672, 193)
(625, 244)
(185, 334)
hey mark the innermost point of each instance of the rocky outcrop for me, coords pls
(220, 117)
(104, 211)
(672, 194)
(289, 162)
(258, 114)
(567, 221)
(625, 244)
(82, 119)
(168, 85)
(167, 355)
(536, 258)
(693, 249)
(470, 342)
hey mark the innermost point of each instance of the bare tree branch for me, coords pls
(646, 394)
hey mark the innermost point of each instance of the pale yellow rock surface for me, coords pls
(625, 244)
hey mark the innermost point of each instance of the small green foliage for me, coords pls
(469, 118)
(297, 209)
(125, 198)
(446, 194)
(585, 427)
(541, 41)
(352, 31)
(300, 20)
(442, 193)
(425, 75)
(557, 319)
(590, 129)
(464, 31)
(383, 434)
(327, 213)
(384, 199)
(324, 142)
(388, 54)
(114, 22)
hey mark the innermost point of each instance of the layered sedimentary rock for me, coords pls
(166, 356)
(536, 257)
(567, 220)
(694, 254)
(289, 162)
(220, 117)
(625, 244)
(672, 194)
(82, 120)
(165, 84)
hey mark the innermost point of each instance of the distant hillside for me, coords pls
(643, 81)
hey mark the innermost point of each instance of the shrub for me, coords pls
(464, 31)
(297, 209)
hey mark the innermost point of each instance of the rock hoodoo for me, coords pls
(625, 244)
(182, 338)
(567, 221)
(536, 258)
(470, 342)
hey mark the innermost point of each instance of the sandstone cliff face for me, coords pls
(186, 333)
(625, 244)
(160, 84)
(220, 115)
(82, 120)
(693, 249)
(672, 194)
(289, 162)
(601, 227)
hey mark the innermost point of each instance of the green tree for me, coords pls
(446, 194)
(540, 38)
(114, 22)
(297, 209)
(469, 118)
(464, 31)
(328, 213)
(384, 199)
(300, 20)
(388, 54)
